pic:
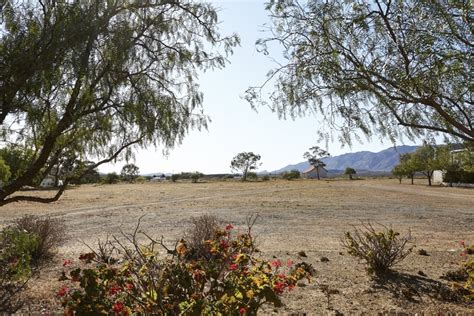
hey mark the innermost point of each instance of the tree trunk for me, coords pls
(350, 176)
(412, 176)
(317, 173)
(244, 175)
(399, 180)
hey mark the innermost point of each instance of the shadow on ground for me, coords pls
(415, 288)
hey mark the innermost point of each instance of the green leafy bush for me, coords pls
(290, 175)
(174, 177)
(228, 280)
(380, 249)
(50, 234)
(457, 175)
(25, 244)
(252, 175)
(16, 247)
(111, 178)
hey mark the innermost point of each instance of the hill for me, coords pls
(383, 160)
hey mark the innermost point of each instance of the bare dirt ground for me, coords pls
(303, 215)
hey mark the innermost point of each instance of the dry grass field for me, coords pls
(302, 215)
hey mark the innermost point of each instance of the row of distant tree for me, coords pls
(246, 162)
(14, 160)
(456, 165)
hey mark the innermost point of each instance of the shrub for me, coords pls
(454, 174)
(252, 175)
(266, 178)
(16, 247)
(111, 178)
(203, 228)
(174, 177)
(26, 243)
(195, 176)
(229, 280)
(380, 249)
(140, 179)
(50, 234)
(290, 175)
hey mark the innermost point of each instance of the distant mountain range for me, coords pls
(383, 160)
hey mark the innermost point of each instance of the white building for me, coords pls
(49, 182)
(159, 178)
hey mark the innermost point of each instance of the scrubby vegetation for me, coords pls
(380, 249)
(223, 277)
(290, 175)
(49, 232)
(15, 266)
(463, 278)
(24, 245)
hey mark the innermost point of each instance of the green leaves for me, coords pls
(390, 68)
(245, 162)
(98, 77)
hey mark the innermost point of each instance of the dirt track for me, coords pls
(297, 215)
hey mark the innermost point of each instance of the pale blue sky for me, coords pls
(235, 127)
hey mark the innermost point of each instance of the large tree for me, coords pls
(315, 157)
(245, 162)
(90, 80)
(373, 66)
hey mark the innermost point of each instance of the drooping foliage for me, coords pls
(385, 67)
(89, 80)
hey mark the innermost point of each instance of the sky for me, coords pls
(235, 127)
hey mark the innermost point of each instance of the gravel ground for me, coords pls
(302, 215)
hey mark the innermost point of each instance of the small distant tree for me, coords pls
(407, 166)
(290, 175)
(398, 172)
(195, 176)
(174, 177)
(245, 162)
(112, 178)
(428, 158)
(350, 172)
(130, 172)
(315, 156)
